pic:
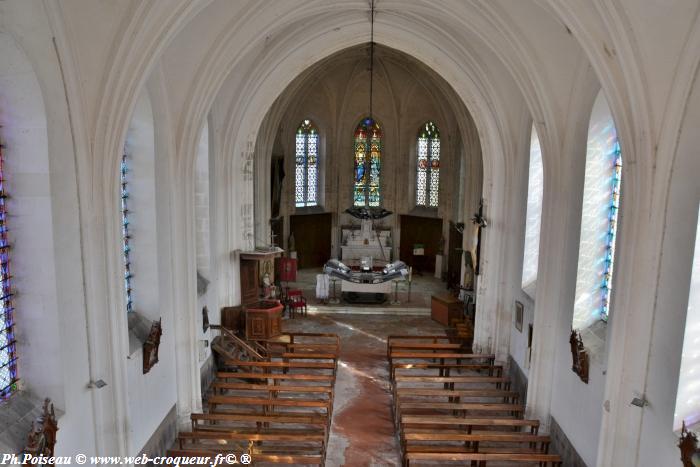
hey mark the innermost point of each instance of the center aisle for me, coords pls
(362, 431)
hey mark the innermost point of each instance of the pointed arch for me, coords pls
(601, 203)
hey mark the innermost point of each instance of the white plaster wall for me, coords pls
(578, 407)
(150, 396)
(140, 150)
(658, 440)
(23, 132)
(52, 353)
(202, 219)
(518, 339)
(580, 419)
(687, 401)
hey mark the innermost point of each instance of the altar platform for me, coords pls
(422, 288)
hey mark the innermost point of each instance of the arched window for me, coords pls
(687, 399)
(601, 202)
(126, 235)
(368, 156)
(428, 166)
(306, 165)
(535, 191)
(8, 357)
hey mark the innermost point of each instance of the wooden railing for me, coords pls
(244, 347)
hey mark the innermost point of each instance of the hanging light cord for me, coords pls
(371, 59)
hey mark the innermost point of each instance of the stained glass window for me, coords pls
(8, 355)
(428, 166)
(126, 236)
(599, 212)
(368, 158)
(306, 193)
(614, 208)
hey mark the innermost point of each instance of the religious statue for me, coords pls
(42, 438)
(688, 444)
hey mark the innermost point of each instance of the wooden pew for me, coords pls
(258, 422)
(442, 356)
(304, 342)
(457, 408)
(284, 366)
(257, 444)
(456, 395)
(449, 382)
(316, 379)
(446, 368)
(296, 459)
(482, 458)
(424, 346)
(220, 387)
(270, 405)
(433, 339)
(433, 422)
(201, 439)
(473, 442)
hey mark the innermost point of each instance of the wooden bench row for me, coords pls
(277, 411)
(454, 406)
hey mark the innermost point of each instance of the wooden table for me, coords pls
(445, 307)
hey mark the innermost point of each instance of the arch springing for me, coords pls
(368, 155)
(306, 193)
(428, 166)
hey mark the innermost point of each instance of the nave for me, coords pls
(157, 157)
(402, 392)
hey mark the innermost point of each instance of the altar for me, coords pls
(381, 287)
(365, 242)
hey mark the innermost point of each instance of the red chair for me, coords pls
(296, 301)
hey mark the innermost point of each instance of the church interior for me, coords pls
(350, 232)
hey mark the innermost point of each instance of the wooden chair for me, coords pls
(296, 301)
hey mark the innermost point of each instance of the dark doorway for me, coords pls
(420, 230)
(312, 237)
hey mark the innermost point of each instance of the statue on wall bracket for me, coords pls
(579, 356)
(688, 444)
(42, 438)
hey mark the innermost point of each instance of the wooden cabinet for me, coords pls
(263, 320)
(443, 308)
